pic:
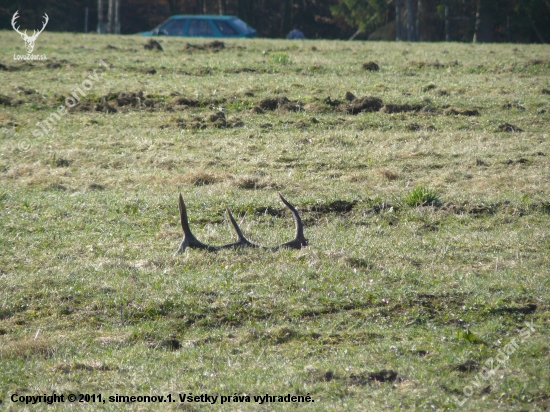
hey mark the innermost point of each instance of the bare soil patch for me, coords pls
(181, 103)
(400, 108)
(371, 66)
(422, 65)
(508, 128)
(462, 112)
(336, 206)
(468, 366)
(281, 103)
(364, 104)
(153, 45)
(214, 46)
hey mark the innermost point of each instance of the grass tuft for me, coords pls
(422, 196)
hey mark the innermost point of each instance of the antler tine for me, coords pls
(243, 241)
(299, 240)
(46, 20)
(189, 240)
(35, 33)
(13, 22)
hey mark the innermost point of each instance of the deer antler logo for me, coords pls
(29, 40)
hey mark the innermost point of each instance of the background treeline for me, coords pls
(412, 20)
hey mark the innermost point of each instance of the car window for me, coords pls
(200, 28)
(225, 28)
(241, 26)
(173, 27)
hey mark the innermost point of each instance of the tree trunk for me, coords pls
(478, 22)
(110, 17)
(398, 20)
(221, 7)
(117, 17)
(285, 20)
(410, 20)
(484, 21)
(418, 19)
(447, 22)
(100, 21)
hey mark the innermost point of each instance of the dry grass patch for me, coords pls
(200, 178)
(389, 174)
(89, 367)
(253, 182)
(27, 348)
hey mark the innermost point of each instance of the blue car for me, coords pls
(203, 26)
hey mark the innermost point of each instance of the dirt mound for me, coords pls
(400, 108)
(371, 66)
(218, 119)
(363, 379)
(257, 110)
(181, 102)
(465, 112)
(515, 105)
(422, 65)
(336, 206)
(467, 366)
(5, 100)
(364, 104)
(214, 46)
(332, 103)
(283, 103)
(153, 45)
(428, 109)
(536, 62)
(23, 90)
(415, 127)
(129, 99)
(545, 91)
(53, 65)
(87, 106)
(350, 96)
(509, 128)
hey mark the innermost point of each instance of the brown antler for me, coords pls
(189, 240)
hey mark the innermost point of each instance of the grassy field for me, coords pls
(426, 207)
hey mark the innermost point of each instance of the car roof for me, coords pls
(203, 16)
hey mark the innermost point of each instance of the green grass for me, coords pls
(422, 196)
(428, 229)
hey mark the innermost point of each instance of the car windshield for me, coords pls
(173, 27)
(242, 26)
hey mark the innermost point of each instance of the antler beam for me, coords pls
(46, 20)
(190, 241)
(13, 21)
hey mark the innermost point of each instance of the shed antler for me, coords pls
(189, 240)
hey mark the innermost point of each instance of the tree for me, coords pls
(411, 13)
(366, 15)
